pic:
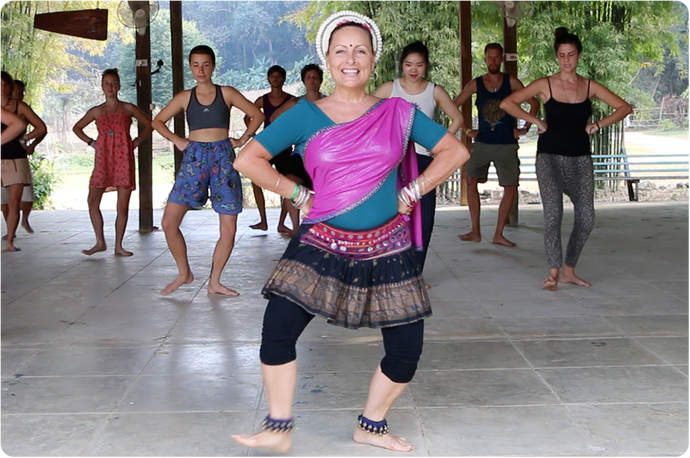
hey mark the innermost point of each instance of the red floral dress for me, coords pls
(114, 162)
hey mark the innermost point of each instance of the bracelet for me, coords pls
(91, 142)
(468, 131)
(302, 197)
(295, 192)
(598, 126)
(277, 183)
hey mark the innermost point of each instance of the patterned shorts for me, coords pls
(204, 166)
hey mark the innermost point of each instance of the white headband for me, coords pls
(323, 36)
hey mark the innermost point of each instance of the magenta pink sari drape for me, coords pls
(349, 162)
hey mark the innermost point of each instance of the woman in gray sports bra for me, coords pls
(207, 165)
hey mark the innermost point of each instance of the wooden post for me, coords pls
(465, 35)
(143, 85)
(177, 71)
(510, 66)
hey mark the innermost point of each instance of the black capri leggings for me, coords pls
(284, 322)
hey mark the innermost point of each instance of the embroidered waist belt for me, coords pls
(393, 237)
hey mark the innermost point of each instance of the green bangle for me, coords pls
(295, 192)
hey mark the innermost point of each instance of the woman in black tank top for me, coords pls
(564, 164)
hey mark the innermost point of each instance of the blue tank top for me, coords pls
(495, 125)
(214, 116)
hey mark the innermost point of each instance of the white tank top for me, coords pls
(424, 100)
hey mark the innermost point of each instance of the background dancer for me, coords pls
(269, 104)
(114, 167)
(207, 163)
(415, 88)
(16, 172)
(312, 77)
(28, 192)
(365, 183)
(495, 140)
(564, 161)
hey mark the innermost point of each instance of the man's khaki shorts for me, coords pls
(504, 157)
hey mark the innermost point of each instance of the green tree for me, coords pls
(618, 36)
(161, 83)
(41, 58)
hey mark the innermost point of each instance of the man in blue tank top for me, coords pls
(495, 140)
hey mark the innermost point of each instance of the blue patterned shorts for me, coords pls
(204, 166)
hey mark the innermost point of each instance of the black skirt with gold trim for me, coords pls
(353, 279)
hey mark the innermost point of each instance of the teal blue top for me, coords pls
(299, 123)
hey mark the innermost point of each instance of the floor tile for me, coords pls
(637, 429)
(63, 394)
(617, 384)
(503, 431)
(586, 352)
(49, 435)
(193, 393)
(480, 388)
(171, 434)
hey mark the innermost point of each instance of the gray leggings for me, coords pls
(573, 176)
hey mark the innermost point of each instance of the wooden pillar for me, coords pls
(510, 66)
(465, 35)
(143, 85)
(177, 71)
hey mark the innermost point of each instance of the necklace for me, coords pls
(493, 87)
(565, 93)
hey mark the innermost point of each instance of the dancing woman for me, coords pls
(415, 88)
(564, 161)
(353, 260)
(16, 173)
(114, 167)
(207, 164)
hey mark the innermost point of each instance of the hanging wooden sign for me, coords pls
(92, 24)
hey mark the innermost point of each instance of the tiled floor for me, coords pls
(95, 362)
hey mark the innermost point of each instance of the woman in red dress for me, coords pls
(114, 161)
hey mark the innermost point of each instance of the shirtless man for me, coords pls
(494, 141)
(207, 163)
(269, 104)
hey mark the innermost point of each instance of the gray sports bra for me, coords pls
(214, 116)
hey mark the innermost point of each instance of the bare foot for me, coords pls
(11, 247)
(470, 237)
(574, 279)
(220, 289)
(27, 227)
(288, 235)
(283, 229)
(122, 252)
(96, 248)
(260, 226)
(277, 442)
(551, 284)
(179, 281)
(387, 441)
(500, 240)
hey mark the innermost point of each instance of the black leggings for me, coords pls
(284, 322)
(428, 204)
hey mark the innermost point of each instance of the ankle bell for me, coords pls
(373, 427)
(278, 426)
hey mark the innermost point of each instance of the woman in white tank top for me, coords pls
(414, 88)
